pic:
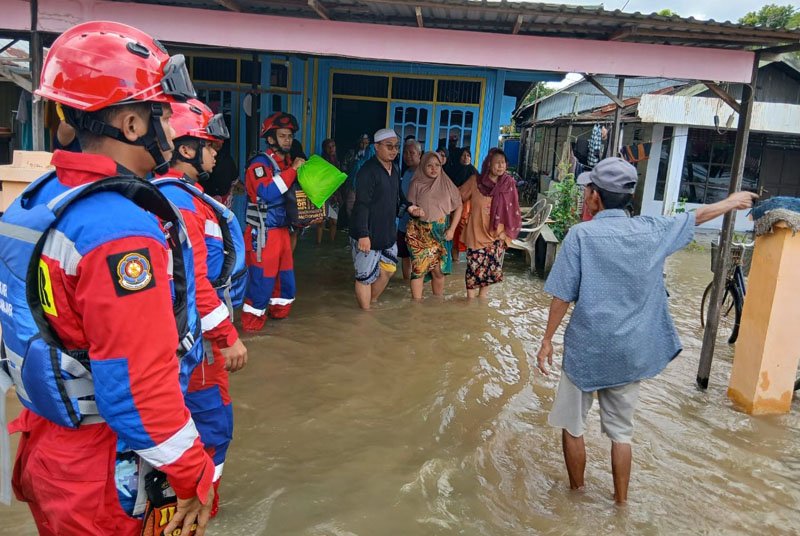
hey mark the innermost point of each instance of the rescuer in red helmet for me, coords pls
(269, 176)
(105, 278)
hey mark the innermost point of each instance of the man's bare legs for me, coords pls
(380, 284)
(575, 458)
(363, 295)
(621, 456)
(368, 294)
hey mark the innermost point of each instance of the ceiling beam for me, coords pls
(518, 25)
(230, 5)
(320, 10)
(418, 12)
(724, 95)
(600, 87)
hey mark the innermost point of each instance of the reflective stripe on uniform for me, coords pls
(214, 318)
(278, 180)
(247, 308)
(61, 249)
(218, 471)
(173, 448)
(213, 229)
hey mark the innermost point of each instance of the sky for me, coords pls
(719, 10)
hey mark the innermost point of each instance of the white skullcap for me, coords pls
(385, 134)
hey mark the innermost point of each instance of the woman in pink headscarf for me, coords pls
(430, 230)
(494, 221)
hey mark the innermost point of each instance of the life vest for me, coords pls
(227, 270)
(265, 216)
(50, 380)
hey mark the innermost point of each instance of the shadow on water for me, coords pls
(427, 419)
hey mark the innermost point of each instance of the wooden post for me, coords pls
(721, 268)
(255, 109)
(615, 141)
(37, 108)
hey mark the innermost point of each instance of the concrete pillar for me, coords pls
(768, 348)
(677, 154)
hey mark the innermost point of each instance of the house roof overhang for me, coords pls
(509, 35)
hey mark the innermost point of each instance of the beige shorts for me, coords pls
(617, 405)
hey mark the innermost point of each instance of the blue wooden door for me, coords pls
(412, 119)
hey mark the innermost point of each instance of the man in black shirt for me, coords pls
(373, 227)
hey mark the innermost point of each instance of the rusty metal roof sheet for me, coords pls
(525, 18)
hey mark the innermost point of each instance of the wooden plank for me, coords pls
(518, 25)
(418, 13)
(600, 87)
(724, 95)
(229, 4)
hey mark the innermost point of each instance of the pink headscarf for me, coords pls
(505, 201)
(436, 196)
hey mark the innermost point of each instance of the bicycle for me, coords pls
(735, 290)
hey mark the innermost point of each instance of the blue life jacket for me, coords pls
(264, 216)
(50, 380)
(227, 270)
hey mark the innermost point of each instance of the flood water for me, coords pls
(428, 419)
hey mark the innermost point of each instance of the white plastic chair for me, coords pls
(532, 227)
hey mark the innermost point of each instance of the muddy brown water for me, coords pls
(427, 419)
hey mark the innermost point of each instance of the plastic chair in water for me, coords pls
(532, 227)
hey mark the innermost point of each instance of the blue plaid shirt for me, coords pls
(612, 267)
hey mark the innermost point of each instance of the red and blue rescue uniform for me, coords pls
(208, 397)
(107, 288)
(270, 283)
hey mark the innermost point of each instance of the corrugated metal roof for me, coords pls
(582, 96)
(535, 18)
(15, 62)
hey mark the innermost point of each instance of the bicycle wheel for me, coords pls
(729, 313)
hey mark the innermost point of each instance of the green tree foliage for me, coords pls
(666, 13)
(539, 91)
(565, 196)
(773, 16)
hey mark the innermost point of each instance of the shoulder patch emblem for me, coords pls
(131, 271)
(259, 171)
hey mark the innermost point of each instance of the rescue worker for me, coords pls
(269, 175)
(104, 309)
(197, 130)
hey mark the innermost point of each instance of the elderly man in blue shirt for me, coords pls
(620, 331)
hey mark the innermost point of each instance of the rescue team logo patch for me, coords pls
(259, 171)
(46, 290)
(131, 271)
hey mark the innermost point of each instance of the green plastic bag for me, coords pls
(319, 179)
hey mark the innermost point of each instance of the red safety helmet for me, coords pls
(279, 120)
(196, 120)
(97, 64)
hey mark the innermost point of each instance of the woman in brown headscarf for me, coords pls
(431, 228)
(494, 221)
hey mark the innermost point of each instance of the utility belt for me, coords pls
(145, 492)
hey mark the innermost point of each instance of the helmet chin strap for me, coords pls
(154, 141)
(275, 146)
(196, 161)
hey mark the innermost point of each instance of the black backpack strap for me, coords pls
(149, 198)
